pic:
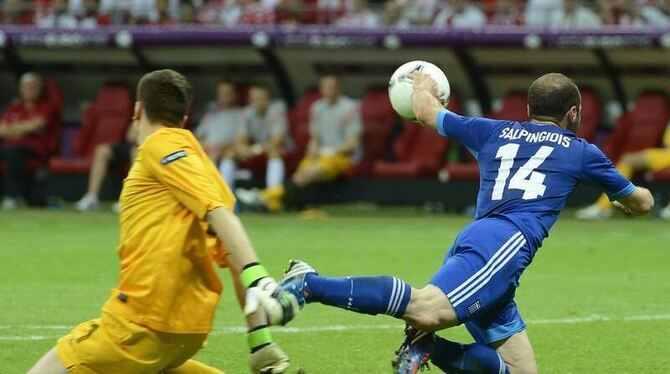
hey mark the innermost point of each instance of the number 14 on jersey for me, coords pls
(526, 178)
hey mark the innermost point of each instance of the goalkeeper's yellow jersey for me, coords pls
(666, 137)
(168, 282)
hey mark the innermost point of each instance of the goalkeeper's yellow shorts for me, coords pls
(658, 158)
(332, 165)
(113, 344)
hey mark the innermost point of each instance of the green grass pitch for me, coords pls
(596, 298)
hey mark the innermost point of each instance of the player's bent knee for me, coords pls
(430, 310)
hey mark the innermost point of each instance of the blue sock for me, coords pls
(476, 358)
(369, 295)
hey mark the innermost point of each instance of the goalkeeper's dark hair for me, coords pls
(551, 96)
(166, 96)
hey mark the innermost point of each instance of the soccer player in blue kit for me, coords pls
(527, 171)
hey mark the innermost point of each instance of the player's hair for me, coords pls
(225, 80)
(265, 86)
(31, 76)
(166, 96)
(332, 74)
(551, 96)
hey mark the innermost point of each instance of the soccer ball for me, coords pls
(400, 86)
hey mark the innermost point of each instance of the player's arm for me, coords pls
(638, 203)
(424, 99)
(598, 169)
(30, 126)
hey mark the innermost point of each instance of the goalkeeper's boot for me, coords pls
(293, 280)
(269, 360)
(414, 353)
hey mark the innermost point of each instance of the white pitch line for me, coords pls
(229, 330)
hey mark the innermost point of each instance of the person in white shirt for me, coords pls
(575, 15)
(542, 12)
(360, 15)
(263, 132)
(218, 127)
(460, 14)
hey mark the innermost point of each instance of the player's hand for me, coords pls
(622, 207)
(421, 81)
(269, 360)
(279, 306)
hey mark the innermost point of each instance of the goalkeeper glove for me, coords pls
(264, 293)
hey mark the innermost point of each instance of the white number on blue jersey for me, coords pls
(526, 178)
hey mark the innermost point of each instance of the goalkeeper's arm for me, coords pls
(280, 306)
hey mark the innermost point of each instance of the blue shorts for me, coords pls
(480, 275)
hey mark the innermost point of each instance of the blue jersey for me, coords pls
(527, 170)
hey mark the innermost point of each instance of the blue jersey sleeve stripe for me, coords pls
(440, 123)
(629, 189)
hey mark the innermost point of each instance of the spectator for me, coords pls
(507, 12)
(187, 12)
(542, 12)
(416, 12)
(91, 16)
(257, 12)
(25, 134)
(17, 12)
(653, 159)
(657, 13)
(391, 14)
(575, 15)
(262, 136)
(225, 12)
(57, 16)
(460, 14)
(107, 156)
(335, 131)
(220, 124)
(360, 15)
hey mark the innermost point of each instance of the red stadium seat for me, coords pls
(514, 107)
(104, 121)
(299, 127)
(640, 129)
(378, 119)
(421, 153)
(591, 114)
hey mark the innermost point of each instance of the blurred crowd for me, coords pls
(252, 137)
(342, 13)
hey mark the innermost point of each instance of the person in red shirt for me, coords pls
(24, 135)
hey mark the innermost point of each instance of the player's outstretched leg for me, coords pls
(427, 309)
(421, 347)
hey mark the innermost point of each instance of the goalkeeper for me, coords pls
(160, 313)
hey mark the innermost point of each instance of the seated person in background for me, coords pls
(653, 159)
(262, 133)
(107, 155)
(218, 127)
(575, 15)
(460, 14)
(335, 131)
(24, 134)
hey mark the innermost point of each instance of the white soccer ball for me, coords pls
(400, 86)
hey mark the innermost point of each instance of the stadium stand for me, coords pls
(378, 120)
(104, 121)
(640, 129)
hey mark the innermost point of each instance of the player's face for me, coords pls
(225, 95)
(259, 98)
(30, 90)
(330, 88)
